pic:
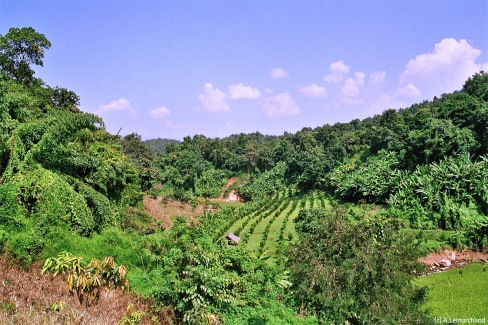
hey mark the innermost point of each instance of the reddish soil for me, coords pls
(229, 183)
(456, 259)
(232, 197)
(27, 297)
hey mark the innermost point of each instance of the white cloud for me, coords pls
(352, 86)
(338, 71)
(278, 73)
(443, 70)
(409, 90)
(213, 100)
(159, 113)
(240, 91)
(377, 78)
(313, 90)
(280, 105)
(118, 105)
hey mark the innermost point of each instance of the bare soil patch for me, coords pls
(442, 261)
(27, 297)
(229, 183)
(165, 211)
(232, 196)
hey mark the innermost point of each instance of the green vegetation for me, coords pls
(457, 293)
(355, 271)
(334, 220)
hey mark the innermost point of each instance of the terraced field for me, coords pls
(270, 226)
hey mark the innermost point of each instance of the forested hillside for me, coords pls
(334, 221)
(426, 163)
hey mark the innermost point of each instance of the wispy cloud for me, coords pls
(338, 71)
(313, 90)
(280, 105)
(377, 78)
(240, 91)
(278, 73)
(352, 86)
(118, 105)
(159, 113)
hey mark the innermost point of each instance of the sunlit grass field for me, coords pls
(458, 293)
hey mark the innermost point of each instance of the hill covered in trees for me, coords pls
(425, 162)
(334, 220)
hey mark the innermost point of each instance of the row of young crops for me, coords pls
(269, 226)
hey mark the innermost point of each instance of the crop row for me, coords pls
(278, 206)
(277, 213)
(274, 203)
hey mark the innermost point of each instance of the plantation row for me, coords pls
(269, 225)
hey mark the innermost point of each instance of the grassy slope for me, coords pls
(257, 234)
(458, 293)
(274, 231)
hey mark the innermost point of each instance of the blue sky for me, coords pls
(173, 68)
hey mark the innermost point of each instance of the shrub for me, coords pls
(371, 181)
(86, 281)
(450, 194)
(356, 272)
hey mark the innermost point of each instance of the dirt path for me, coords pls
(232, 196)
(229, 183)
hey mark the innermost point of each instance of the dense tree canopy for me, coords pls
(19, 49)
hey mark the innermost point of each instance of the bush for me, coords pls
(25, 247)
(371, 180)
(266, 184)
(357, 272)
(60, 204)
(451, 194)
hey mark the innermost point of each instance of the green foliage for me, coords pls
(65, 99)
(159, 145)
(439, 138)
(450, 194)
(59, 170)
(99, 206)
(11, 210)
(132, 317)
(142, 157)
(206, 281)
(20, 48)
(25, 246)
(265, 185)
(371, 180)
(66, 184)
(61, 203)
(357, 272)
(113, 174)
(210, 183)
(477, 85)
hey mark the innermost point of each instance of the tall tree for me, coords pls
(20, 48)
